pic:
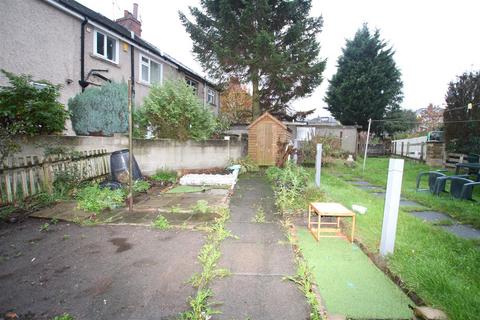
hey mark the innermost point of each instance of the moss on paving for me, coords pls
(349, 283)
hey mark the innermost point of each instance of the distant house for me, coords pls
(67, 43)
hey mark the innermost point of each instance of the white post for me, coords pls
(318, 164)
(227, 138)
(295, 155)
(392, 203)
(368, 140)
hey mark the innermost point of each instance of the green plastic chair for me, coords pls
(460, 187)
(432, 179)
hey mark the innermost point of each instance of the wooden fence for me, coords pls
(22, 177)
(452, 159)
(414, 148)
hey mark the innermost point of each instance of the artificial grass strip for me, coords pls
(187, 189)
(349, 283)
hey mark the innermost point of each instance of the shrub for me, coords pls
(28, 108)
(95, 199)
(331, 149)
(289, 185)
(173, 111)
(102, 110)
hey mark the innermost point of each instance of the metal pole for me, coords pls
(392, 203)
(295, 155)
(130, 148)
(318, 165)
(366, 145)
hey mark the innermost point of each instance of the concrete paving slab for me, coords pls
(409, 203)
(361, 183)
(370, 187)
(101, 272)
(257, 258)
(256, 232)
(431, 216)
(259, 297)
(463, 231)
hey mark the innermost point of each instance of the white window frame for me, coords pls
(149, 66)
(104, 56)
(214, 96)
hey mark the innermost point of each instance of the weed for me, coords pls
(161, 223)
(95, 199)
(259, 216)
(175, 209)
(141, 186)
(44, 227)
(165, 176)
(54, 221)
(208, 258)
(66, 237)
(289, 185)
(5, 212)
(303, 277)
(200, 308)
(201, 207)
(64, 316)
(247, 165)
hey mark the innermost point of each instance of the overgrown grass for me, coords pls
(441, 268)
(200, 308)
(377, 170)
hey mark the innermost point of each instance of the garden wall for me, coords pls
(151, 155)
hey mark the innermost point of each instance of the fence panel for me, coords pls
(22, 177)
(414, 148)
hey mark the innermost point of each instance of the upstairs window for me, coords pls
(105, 46)
(193, 84)
(150, 71)
(211, 96)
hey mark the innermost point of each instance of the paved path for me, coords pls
(258, 260)
(456, 228)
(101, 272)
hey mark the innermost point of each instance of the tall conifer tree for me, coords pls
(268, 43)
(367, 83)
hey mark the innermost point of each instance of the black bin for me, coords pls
(119, 167)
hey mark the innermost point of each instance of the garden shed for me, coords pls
(267, 138)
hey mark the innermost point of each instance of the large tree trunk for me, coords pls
(255, 95)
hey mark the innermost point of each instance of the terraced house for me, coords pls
(67, 43)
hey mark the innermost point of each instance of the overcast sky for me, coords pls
(434, 40)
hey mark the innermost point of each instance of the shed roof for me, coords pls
(267, 115)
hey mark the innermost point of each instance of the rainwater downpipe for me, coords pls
(82, 82)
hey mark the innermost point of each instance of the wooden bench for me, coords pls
(328, 209)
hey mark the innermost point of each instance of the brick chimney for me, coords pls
(130, 21)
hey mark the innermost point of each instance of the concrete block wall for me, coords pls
(435, 155)
(151, 155)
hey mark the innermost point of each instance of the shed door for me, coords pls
(265, 144)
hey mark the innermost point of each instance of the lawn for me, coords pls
(441, 268)
(376, 172)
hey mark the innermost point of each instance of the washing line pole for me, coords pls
(366, 145)
(130, 149)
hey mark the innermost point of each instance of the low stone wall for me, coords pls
(151, 155)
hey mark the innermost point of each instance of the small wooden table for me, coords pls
(328, 209)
